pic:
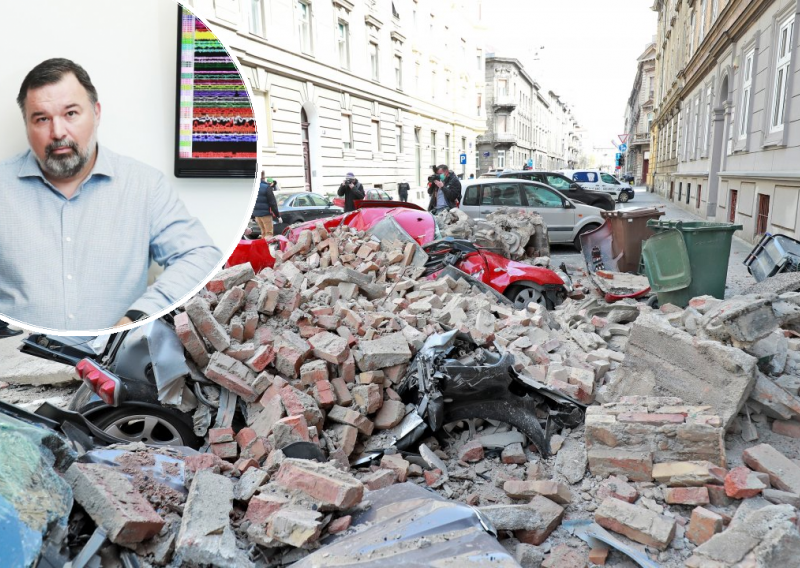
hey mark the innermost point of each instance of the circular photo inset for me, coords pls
(127, 165)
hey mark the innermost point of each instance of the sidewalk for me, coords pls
(20, 369)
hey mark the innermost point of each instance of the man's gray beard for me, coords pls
(63, 167)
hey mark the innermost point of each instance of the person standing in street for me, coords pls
(266, 208)
(445, 192)
(402, 190)
(352, 190)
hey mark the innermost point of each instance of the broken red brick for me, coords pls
(743, 483)
(379, 479)
(471, 452)
(398, 464)
(191, 339)
(637, 523)
(703, 525)
(245, 436)
(786, 428)
(225, 450)
(432, 476)
(219, 435)
(340, 525)
(686, 495)
(320, 481)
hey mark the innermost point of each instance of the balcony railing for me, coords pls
(505, 101)
(505, 138)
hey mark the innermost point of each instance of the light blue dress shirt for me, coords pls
(81, 263)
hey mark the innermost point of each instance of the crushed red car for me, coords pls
(521, 283)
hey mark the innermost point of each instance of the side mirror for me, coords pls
(568, 205)
(328, 202)
(574, 185)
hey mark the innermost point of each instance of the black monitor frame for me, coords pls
(197, 167)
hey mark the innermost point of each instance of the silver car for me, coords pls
(566, 220)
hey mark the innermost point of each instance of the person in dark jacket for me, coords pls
(402, 190)
(352, 190)
(445, 192)
(266, 209)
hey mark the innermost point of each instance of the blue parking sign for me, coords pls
(462, 159)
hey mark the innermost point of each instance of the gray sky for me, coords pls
(589, 55)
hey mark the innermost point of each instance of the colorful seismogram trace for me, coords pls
(216, 117)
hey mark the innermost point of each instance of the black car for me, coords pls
(297, 207)
(628, 177)
(566, 186)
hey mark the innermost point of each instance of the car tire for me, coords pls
(624, 197)
(577, 241)
(153, 426)
(524, 294)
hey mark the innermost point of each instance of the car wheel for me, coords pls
(624, 197)
(524, 294)
(577, 242)
(153, 426)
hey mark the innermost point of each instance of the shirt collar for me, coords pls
(102, 166)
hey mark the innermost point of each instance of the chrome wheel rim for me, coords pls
(145, 428)
(527, 296)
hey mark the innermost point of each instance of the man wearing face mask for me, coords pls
(445, 192)
(80, 224)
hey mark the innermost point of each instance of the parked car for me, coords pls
(301, 206)
(595, 179)
(564, 185)
(521, 283)
(371, 194)
(566, 220)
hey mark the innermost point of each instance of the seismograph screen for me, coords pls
(216, 125)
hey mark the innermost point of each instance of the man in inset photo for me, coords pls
(80, 224)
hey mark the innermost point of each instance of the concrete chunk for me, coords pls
(664, 361)
(386, 351)
(783, 473)
(332, 488)
(113, 503)
(206, 536)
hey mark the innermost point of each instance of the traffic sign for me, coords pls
(623, 147)
(623, 138)
(463, 159)
(530, 163)
(618, 157)
(487, 154)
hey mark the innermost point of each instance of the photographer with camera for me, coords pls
(444, 188)
(352, 190)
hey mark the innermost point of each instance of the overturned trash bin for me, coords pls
(773, 255)
(699, 268)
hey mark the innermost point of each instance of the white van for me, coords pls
(595, 179)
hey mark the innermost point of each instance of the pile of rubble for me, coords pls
(513, 232)
(318, 347)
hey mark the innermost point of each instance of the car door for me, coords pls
(558, 214)
(587, 180)
(302, 207)
(498, 195)
(609, 182)
(318, 206)
(471, 203)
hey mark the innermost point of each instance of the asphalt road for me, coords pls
(738, 278)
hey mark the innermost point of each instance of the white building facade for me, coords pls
(380, 89)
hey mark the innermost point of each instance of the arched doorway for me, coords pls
(721, 132)
(306, 149)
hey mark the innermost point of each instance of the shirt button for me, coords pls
(69, 276)
(71, 316)
(69, 240)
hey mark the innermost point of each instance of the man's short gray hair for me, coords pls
(51, 72)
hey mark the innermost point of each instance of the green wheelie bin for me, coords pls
(707, 249)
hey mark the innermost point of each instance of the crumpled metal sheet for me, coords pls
(594, 535)
(155, 343)
(407, 525)
(388, 229)
(34, 499)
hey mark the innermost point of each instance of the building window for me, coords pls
(479, 58)
(688, 193)
(703, 12)
(304, 25)
(373, 60)
(502, 123)
(501, 159)
(691, 37)
(347, 131)
(398, 72)
(680, 190)
(747, 86)
(343, 40)
(398, 133)
(782, 76)
(714, 10)
(732, 205)
(762, 222)
(699, 193)
(502, 87)
(447, 159)
(433, 85)
(707, 119)
(376, 135)
(416, 77)
(433, 148)
(695, 126)
(257, 17)
(480, 104)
